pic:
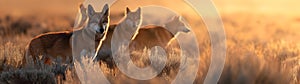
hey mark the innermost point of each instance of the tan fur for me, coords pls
(176, 25)
(82, 41)
(150, 36)
(147, 37)
(127, 26)
(50, 45)
(59, 44)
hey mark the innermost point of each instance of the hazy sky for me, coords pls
(263, 6)
(69, 6)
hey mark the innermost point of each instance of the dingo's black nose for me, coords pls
(186, 30)
(101, 30)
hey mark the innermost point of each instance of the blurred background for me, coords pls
(262, 35)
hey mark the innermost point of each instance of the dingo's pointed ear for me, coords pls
(82, 9)
(127, 10)
(179, 18)
(139, 10)
(81, 5)
(105, 9)
(176, 18)
(83, 15)
(91, 10)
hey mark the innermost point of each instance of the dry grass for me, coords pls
(260, 49)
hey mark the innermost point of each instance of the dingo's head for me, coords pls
(98, 21)
(176, 25)
(133, 19)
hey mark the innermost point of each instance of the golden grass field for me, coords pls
(262, 43)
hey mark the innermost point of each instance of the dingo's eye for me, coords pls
(104, 25)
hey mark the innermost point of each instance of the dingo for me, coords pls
(148, 36)
(59, 44)
(128, 23)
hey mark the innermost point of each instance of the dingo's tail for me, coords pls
(26, 61)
